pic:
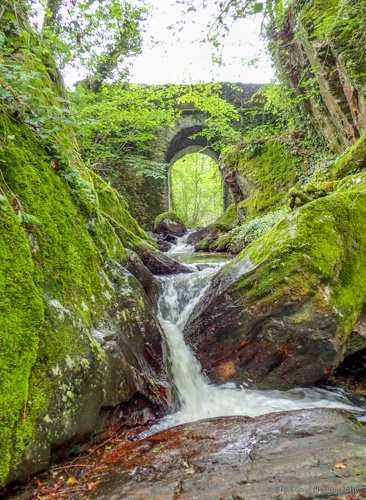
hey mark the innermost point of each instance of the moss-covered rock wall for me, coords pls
(319, 48)
(77, 333)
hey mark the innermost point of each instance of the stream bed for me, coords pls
(231, 443)
(199, 399)
(224, 442)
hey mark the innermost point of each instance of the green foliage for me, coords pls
(26, 92)
(148, 169)
(221, 115)
(121, 119)
(276, 109)
(196, 189)
(100, 36)
(241, 236)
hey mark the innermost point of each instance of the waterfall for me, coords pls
(198, 398)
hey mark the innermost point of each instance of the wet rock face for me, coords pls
(148, 281)
(164, 245)
(159, 263)
(170, 226)
(170, 229)
(279, 455)
(265, 349)
(282, 313)
(132, 341)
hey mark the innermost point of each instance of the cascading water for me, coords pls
(198, 399)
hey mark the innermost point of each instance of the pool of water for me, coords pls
(202, 257)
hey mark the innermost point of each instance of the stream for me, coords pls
(273, 455)
(197, 397)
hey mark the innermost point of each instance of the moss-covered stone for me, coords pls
(227, 220)
(63, 231)
(320, 245)
(170, 226)
(168, 217)
(242, 235)
(355, 182)
(265, 174)
(281, 314)
(115, 209)
(352, 161)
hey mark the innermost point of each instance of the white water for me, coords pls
(199, 399)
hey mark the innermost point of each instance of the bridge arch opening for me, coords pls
(196, 186)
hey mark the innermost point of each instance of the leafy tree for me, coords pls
(221, 115)
(197, 189)
(100, 36)
(122, 119)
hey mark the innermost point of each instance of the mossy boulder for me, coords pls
(282, 313)
(243, 234)
(77, 331)
(352, 161)
(170, 225)
(204, 239)
(228, 219)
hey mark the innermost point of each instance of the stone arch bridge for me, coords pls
(173, 143)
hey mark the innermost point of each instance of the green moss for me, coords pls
(168, 216)
(241, 236)
(318, 252)
(228, 219)
(355, 182)
(268, 173)
(340, 25)
(57, 270)
(352, 161)
(205, 244)
(60, 264)
(114, 208)
(21, 319)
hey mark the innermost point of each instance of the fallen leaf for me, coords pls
(190, 472)
(71, 481)
(340, 466)
(185, 465)
(93, 485)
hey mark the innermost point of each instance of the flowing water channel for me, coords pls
(198, 398)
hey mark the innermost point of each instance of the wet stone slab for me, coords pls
(318, 453)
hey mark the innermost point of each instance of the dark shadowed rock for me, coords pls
(274, 456)
(164, 244)
(197, 236)
(170, 225)
(159, 263)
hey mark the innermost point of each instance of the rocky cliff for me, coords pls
(77, 332)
